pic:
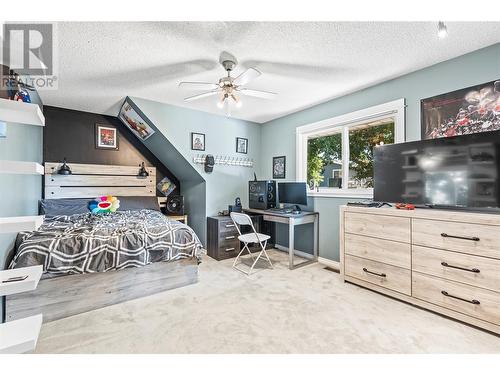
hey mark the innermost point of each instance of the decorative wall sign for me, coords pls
(241, 145)
(471, 110)
(198, 141)
(134, 122)
(166, 186)
(279, 166)
(106, 137)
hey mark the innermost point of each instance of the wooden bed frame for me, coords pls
(93, 180)
(64, 296)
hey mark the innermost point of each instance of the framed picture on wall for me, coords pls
(466, 111)
(241, 145)
(279, 167)
(135, 122)
(106, 137)
(198, 141)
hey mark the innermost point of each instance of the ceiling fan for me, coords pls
(229, 89)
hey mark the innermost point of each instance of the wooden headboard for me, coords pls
(92, 180)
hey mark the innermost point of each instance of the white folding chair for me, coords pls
(248, 238)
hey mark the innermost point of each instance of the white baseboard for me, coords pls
(330, 263)
(327, 262)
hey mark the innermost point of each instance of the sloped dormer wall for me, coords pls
(205, 193)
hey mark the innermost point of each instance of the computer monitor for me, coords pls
(292, 192)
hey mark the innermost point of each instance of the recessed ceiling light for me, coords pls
(442, 30)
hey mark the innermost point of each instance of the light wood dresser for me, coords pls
(444, 261)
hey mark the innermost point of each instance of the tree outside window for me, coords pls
(324, 155)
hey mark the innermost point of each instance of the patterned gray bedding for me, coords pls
(85, 243)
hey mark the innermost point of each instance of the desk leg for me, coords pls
(291, 242)
(316, 237)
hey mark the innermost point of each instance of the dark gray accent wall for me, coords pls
(70, 134)
(193, 184)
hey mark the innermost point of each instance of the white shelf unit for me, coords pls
(34, 274)
(15, 224)
(20, 336)
(17, 112)
(20, 167)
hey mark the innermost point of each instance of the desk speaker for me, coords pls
(175, 205)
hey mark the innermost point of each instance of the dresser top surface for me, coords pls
(429, 213)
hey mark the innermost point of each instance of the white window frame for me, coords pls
(342, 123)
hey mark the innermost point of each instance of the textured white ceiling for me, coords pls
(305, 63)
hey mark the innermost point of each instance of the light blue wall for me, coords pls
(225, 183)
(19, 193)
(278, 136)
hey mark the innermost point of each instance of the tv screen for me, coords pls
(459, 172)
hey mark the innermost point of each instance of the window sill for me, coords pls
(363, 194)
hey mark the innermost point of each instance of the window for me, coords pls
(337, 154)
(362, 139)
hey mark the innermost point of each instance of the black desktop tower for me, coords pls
(262, 194)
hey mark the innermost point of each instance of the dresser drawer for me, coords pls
(227, 226)
(228, 249)
(227, 237)
(480, 303)
(475, 239)
(390, 252)
(469, 269)
(380, 226)
(385, 275)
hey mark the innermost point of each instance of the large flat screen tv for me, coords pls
(456, 172)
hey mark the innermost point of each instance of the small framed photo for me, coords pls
(241, 145)
(279, 166)
(198, 141)
(106, 137)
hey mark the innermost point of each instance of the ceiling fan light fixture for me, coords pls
(227, 87)
(236, 100)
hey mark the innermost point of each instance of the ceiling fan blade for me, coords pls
(202, 95)
(246, 76)
(258, 93)
(198, 85)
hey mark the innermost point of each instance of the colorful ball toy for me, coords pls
(104, 204)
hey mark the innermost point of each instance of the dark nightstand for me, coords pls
(222, 236)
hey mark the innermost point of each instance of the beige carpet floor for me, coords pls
(308, 310)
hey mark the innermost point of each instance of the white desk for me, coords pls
(292, 220)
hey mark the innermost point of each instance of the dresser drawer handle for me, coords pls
(374, 273)
(229, 225)
(230, 237)
(460, 237)
(229, 249)
(475, 270)
(473, 301)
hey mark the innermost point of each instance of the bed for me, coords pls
(88, 243)
(95, 260)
